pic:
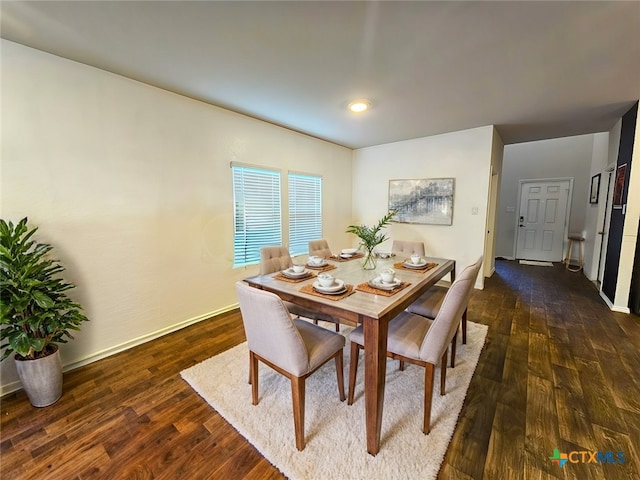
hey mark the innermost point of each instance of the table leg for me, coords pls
(375, 370)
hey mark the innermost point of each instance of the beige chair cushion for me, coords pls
(406, 248)
(274, 259)
(295, 346)
(428, 304)
(320, 248)
(406, 332)
(421, 338)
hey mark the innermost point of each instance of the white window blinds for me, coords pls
(305, 212)
(257, 213)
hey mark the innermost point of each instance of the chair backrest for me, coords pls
(274, 259)
(446, 323)
(320, 248)
(270, 331)
(407, 248)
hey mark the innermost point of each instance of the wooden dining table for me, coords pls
(373, 310)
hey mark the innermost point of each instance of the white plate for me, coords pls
(409, 264)
(349, 251)
(378, 283)
(289, 273)
(336, 288)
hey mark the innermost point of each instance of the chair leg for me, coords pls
(428, 396)
(464, 327)
(443, 373)
(340, 372)
(253, 377)
(401, 365)
(353, 371)
(337, 327)
(297, 394)
(454, 344)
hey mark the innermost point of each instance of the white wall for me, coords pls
(132, 186)
(557, 158)
(465, 156)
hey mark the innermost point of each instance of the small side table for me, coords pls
(575, 237)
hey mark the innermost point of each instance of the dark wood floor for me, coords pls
(558, 370)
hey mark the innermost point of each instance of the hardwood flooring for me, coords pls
(558, 370)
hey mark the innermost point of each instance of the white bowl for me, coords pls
(349, 251)
(298, 268)
(313, 260)
(388, 275)
(416, 259)
(325, 280)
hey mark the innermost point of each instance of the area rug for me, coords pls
(334, 431)
(534, 262)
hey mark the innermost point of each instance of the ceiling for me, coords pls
(536, 70)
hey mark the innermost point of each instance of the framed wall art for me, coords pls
(594, 193)
(426, 201)
(618, 187)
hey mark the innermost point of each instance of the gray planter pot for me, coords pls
(41, 379)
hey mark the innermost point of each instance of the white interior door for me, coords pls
(542, 220)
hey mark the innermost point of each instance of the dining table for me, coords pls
(373, 308)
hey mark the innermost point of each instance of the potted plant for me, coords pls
(370, 237)
(36, 312)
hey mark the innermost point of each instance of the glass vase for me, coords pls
(369, 262)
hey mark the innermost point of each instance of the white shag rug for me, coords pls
(334, 431)
(537, 263)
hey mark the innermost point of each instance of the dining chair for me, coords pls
(292, 347)
(407, 248)
(421, 341)
(278, 258)
(428, 305)
(320, 248)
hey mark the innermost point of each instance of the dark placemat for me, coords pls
(280, 276)
(426, 268)
(324, 268)
(311, 291)
(338, 258)
(365, 287)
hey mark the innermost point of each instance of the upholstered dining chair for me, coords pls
(428, 305)
(276, 259)
(421, 341)
(320, 248)
(293, 348)
(406, 248)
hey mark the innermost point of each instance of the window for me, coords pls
(305, 211)
(257, 218)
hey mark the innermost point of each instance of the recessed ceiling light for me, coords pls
(358, 106)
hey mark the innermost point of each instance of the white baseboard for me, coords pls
(94, 357)
(612, 307)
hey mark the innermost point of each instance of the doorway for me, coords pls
(542, 221)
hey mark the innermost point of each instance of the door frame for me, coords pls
(604, 226)
(524, 181)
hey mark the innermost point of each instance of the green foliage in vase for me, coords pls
(370, 237)
(35, 311)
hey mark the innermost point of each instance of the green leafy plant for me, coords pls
(36, 312)
(370, 237)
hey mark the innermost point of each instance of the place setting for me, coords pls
(319, 264)
(328, 286)
(386, 283)
(294, 274)
(416, 263)
(347, 254)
